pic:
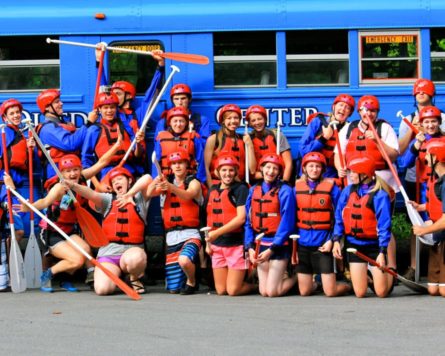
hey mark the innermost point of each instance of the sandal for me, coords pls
(138, 286)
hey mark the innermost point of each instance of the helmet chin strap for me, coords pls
(54, 112)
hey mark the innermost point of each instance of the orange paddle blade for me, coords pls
(185, 57)
(90, 227)
(116, 280)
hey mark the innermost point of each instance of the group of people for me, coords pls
(229, 198)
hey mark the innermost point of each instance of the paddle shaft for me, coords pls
(99, 75)
(246, 154)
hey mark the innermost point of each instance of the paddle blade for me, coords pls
(16, 267)
(33, 262)
(416, 219)
(116, 280)
(90, 227)
(185, 57)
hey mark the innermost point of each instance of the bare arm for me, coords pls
(102, 162)
(87, 193)
(287, 158)
(193, 191)
(56, 193)
(208, 155)
(233, 224)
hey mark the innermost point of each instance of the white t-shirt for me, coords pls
(388, 135)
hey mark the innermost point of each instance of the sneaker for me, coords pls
(188, 290)
(90, 278)
(45, 281)
(68, 286)
(410, 274)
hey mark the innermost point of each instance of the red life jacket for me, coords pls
(17, 151)
(359, 144)
(233, 146)
(423, 168)
(180, 213)
(265, 144)
(107, 138)
(66, 219)
(433, 202)
(329, 145)
(314, 208)
(359, 216)
(265, 215)
(221, 208)
(170, 144)
(54, 152)
(124, 225)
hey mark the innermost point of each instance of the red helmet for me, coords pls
(272, 158)
(436, 147)
(256, 109)
(369, 102)
(9, 104)
(178, 111)
(105, 98)
(180, 155)
(347, 99)
(69, 161)
(127, 87)
(362, 165)
(314, 157)
(424, 86)
(46, 98)
(119, 171)
(226, 108)
(181, 89)
(227, 160)
(430, 112)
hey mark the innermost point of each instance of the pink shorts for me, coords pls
(230, 257)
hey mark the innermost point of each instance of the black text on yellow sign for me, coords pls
(389, 39)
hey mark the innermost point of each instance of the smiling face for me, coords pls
(120, 95)
(368, 114)
(227, 175)
(257, 121)
(178, 124)
(270, 172)
(108, 111)
(231, 120)
(72, 174)
(341, 111)
(13, 116)
(57, 105)
(430, 125)
(179, 168)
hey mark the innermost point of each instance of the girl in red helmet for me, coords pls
(435, 206)
(180, 136)
(102, 135)
(270, 210)
(363, 219)
(124, 226)
(227, 141)
(320, 136)
(17, 150)
(265, 140)
(181, 201)
(226, 215)
(60, 209)
(316, 200)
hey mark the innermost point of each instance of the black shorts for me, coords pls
(50, 238)
(280, 252)
(311, 261)
(371, 251)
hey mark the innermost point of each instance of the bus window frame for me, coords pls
(389, 81)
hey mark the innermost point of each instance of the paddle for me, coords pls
(116, 280)
(16, 265)
(340, 154)
(33, 257)
(246, 154)
(417, 287)
(99, 75)
(90, 227)
(413, 214)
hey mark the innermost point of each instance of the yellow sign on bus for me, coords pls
(389, 39)
(141, 47)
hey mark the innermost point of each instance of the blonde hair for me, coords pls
(381, 184)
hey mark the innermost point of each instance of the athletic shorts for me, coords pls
(49, 239)
(371, 251)
(231, 257)
(436, 265)
(280, 252)
(115, 260)
(311, 261)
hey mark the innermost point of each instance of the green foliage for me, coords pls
(401, 226)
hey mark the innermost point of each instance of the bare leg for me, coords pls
(359, 278)
(236, 284)
(220, 277)
(103, 285)
(70, 258)
(330, 286)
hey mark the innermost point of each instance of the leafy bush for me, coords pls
(401, 226)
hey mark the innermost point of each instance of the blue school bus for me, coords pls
(292, 57)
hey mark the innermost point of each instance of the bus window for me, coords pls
(391, 56)
(131, 67)
(245, 59)
(28, 63)
(317, 58)
(437, 36)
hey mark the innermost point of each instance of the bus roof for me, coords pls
(63, 17)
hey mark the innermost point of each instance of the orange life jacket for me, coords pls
(314, 208)
(265, 215)
(180, 213)
(17, 151)
(359, 216)
(220, 208)
(265, 144)
(107, 138)
(433, 202)
(234, 147)
(124, 225)
(170, 144)
(359, 144)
